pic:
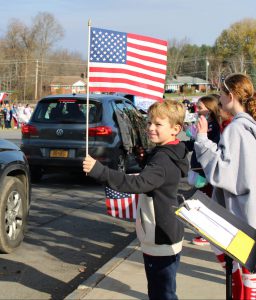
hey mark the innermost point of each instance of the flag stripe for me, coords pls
(151, 51)
(131, 208)
(145, 39)
(112, 51)
(120, 78)
(112, 207)
(127, 211)
(104, 73)
(147, 51)
(109, 212)
(159, 72)
(118, 85)
(119, 208)
(122, 207)
(124, 90)
(134, 204)
(142, 57)
(136, 199)
(131, 66)
(150, 63)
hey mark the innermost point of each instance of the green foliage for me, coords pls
(233, 51)
(236, 46)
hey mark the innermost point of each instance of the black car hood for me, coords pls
(7, 145)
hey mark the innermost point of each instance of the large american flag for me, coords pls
(121, 205)
(128, 63)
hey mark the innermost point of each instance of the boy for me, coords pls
(158, 230)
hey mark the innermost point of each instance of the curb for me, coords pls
(87, 286)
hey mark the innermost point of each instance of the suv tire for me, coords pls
(13, 216)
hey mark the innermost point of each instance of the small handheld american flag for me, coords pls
(121, 205)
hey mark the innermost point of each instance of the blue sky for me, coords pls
(200, 21)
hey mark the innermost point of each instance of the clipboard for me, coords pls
(221, 228)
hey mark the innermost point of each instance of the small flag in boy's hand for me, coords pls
(121, 205)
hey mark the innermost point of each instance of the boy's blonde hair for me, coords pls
(171, 109)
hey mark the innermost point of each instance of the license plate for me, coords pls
(59, 153)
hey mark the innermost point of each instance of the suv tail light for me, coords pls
(29, 130)
(100, 131)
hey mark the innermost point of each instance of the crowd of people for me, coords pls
(13, 116)
(222, 147)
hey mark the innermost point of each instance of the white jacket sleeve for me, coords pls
(225, 164)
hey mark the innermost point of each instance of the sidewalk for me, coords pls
(123, 277)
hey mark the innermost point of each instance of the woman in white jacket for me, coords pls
(230, 166)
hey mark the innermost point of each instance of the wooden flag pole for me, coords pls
(88, 89)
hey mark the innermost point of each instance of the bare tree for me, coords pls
(19, 47)
(49, 32)
(175, 56)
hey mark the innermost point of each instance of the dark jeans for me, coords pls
(7, 124)
(161, 275)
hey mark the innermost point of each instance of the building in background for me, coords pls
(67, 85)
(181, 83)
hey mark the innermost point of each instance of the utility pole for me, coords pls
(36, 79)
(25, 81)
(207, 74)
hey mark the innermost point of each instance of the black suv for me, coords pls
(15, 196)
(55, 137)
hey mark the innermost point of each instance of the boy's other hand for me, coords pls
(202, 125)
(88, 164)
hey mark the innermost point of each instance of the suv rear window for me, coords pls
(66, 111)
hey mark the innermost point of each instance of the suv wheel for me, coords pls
(13, 214)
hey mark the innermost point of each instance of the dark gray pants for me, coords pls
(161, 275)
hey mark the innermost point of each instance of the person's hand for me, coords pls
(88, 164)
(202, 125)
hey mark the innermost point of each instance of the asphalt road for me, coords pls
(69, 237)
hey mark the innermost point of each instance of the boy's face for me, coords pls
(160, 131)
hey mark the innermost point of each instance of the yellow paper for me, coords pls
(241, 246)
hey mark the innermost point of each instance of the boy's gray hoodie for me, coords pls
(230, 166)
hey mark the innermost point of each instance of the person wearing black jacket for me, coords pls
(159, 231)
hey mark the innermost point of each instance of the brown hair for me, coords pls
(211, 102)
(171, 109)
(241, 86)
